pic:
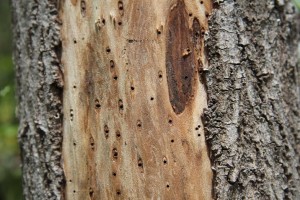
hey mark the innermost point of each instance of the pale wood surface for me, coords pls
(123, 138)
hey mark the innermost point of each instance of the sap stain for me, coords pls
(180, 58)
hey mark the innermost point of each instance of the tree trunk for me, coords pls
(145, 100)
(252, 121)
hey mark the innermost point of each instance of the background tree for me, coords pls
(10, 173)
(113, 99)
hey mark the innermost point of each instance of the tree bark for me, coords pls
(252, 120)
(146, 100)
(37, 50)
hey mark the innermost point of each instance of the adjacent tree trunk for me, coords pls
(145, 100)
(252, 122)
(37, 49)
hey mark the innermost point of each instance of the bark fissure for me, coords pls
(39, 91)
(252, 120)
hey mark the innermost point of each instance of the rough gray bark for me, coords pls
(252, 123)
(39, 90)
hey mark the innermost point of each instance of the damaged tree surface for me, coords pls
(158, 99)
(133, 100)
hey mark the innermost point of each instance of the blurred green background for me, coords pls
(10, 173)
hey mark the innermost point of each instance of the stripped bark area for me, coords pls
(252, 121)
(133, 99)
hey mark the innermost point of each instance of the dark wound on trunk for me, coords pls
(183, 51)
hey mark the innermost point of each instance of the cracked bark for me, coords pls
(252, 120)
(37, 49)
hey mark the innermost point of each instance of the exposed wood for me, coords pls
(133, 99)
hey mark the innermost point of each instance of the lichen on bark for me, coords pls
(252, 120)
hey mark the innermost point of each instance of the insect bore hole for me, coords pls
(115, 153)
(118, 192)
(118, 134)
(112, 64)
(97, 104)
(139, 123)
(120, 5)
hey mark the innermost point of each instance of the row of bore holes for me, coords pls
(83, 6)
(132, 88)
(112, 66)
(91, 192)
(121, 10)
(139, 125)
(139, 163)
(115, 151)
(92, 143)
(121, 107)
(106, 133)
(197, 128)
(111, 63)
(98, 106)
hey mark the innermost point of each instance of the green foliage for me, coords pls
(10, 173)
(297, 4)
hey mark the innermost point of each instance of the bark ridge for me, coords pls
(252, 120)
(37, 50)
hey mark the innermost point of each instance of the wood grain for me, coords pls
(132, 125)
